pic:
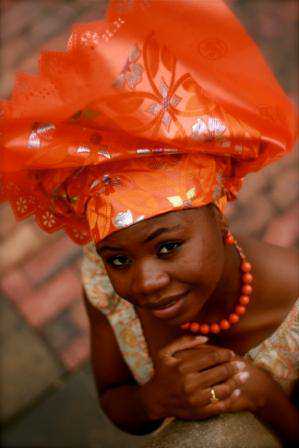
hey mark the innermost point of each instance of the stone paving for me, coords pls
(48, 397)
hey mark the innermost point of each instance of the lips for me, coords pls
(168, 308)
(168, 301)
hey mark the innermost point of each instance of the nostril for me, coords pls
(155, 281)
(147, 280)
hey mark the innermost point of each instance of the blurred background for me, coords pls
(48, 397)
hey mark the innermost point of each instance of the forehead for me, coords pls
(174, 221)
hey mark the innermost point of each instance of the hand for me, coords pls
(185, 372)
(256, 388)
(262, 395)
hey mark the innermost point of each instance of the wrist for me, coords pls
(280, 413)
(150, 401)
(271, 394)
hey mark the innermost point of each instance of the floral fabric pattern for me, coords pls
(279, 354)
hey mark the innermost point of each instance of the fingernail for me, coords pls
(242, 377)
(202, 339)
(239, 365)
(232, 354)
(221, 406)
(236, 393)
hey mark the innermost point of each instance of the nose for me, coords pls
(148, 277)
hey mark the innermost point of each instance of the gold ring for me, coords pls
(213, 398)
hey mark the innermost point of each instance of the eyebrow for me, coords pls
(150, 237)
(112, 248)
(159, 232)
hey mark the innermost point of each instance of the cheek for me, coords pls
(214, 264)
(121, 285)
(203, 264)
(117, 281)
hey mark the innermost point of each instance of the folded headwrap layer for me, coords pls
(153, 109)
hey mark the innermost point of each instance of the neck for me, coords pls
(224, 297)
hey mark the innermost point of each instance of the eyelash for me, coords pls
(174, 243)
(177, 244)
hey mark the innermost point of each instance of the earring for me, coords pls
(224, 227)
(229, 239)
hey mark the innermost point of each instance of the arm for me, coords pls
(120, 397)
(280, 413)
(263, 396)
(180, 386)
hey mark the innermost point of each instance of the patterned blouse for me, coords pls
(279, 354)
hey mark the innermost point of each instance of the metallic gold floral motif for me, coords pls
(208, 129)
(94, 184)
(34, 141)
(140, 218)
(161, 107)
(143, 151)
(172, 101)
(131, 74)
(105, 154)
(178, 201)
(83, 149)
(165, 97)
(123, 219)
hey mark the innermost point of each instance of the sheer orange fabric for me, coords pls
(153, 109)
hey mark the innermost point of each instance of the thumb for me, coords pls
(183, 343)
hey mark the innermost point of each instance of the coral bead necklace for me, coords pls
(240, 307)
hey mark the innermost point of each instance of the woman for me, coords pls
(176, 268)
(129, 141)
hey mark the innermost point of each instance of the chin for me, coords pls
(189, 313)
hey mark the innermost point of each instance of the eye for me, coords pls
(168, 248)
(119, 261)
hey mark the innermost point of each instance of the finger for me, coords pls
(222, 392)
(200, 412)
(203, 359)
(235, 395)
(181, 344)
(237, 402)
(221, 374)
(210, 410)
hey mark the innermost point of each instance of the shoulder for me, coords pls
(109, 366)
(98, 288)
(276, 269)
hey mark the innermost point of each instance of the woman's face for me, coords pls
(168, 265)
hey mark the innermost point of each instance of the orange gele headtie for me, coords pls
(156, 108)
